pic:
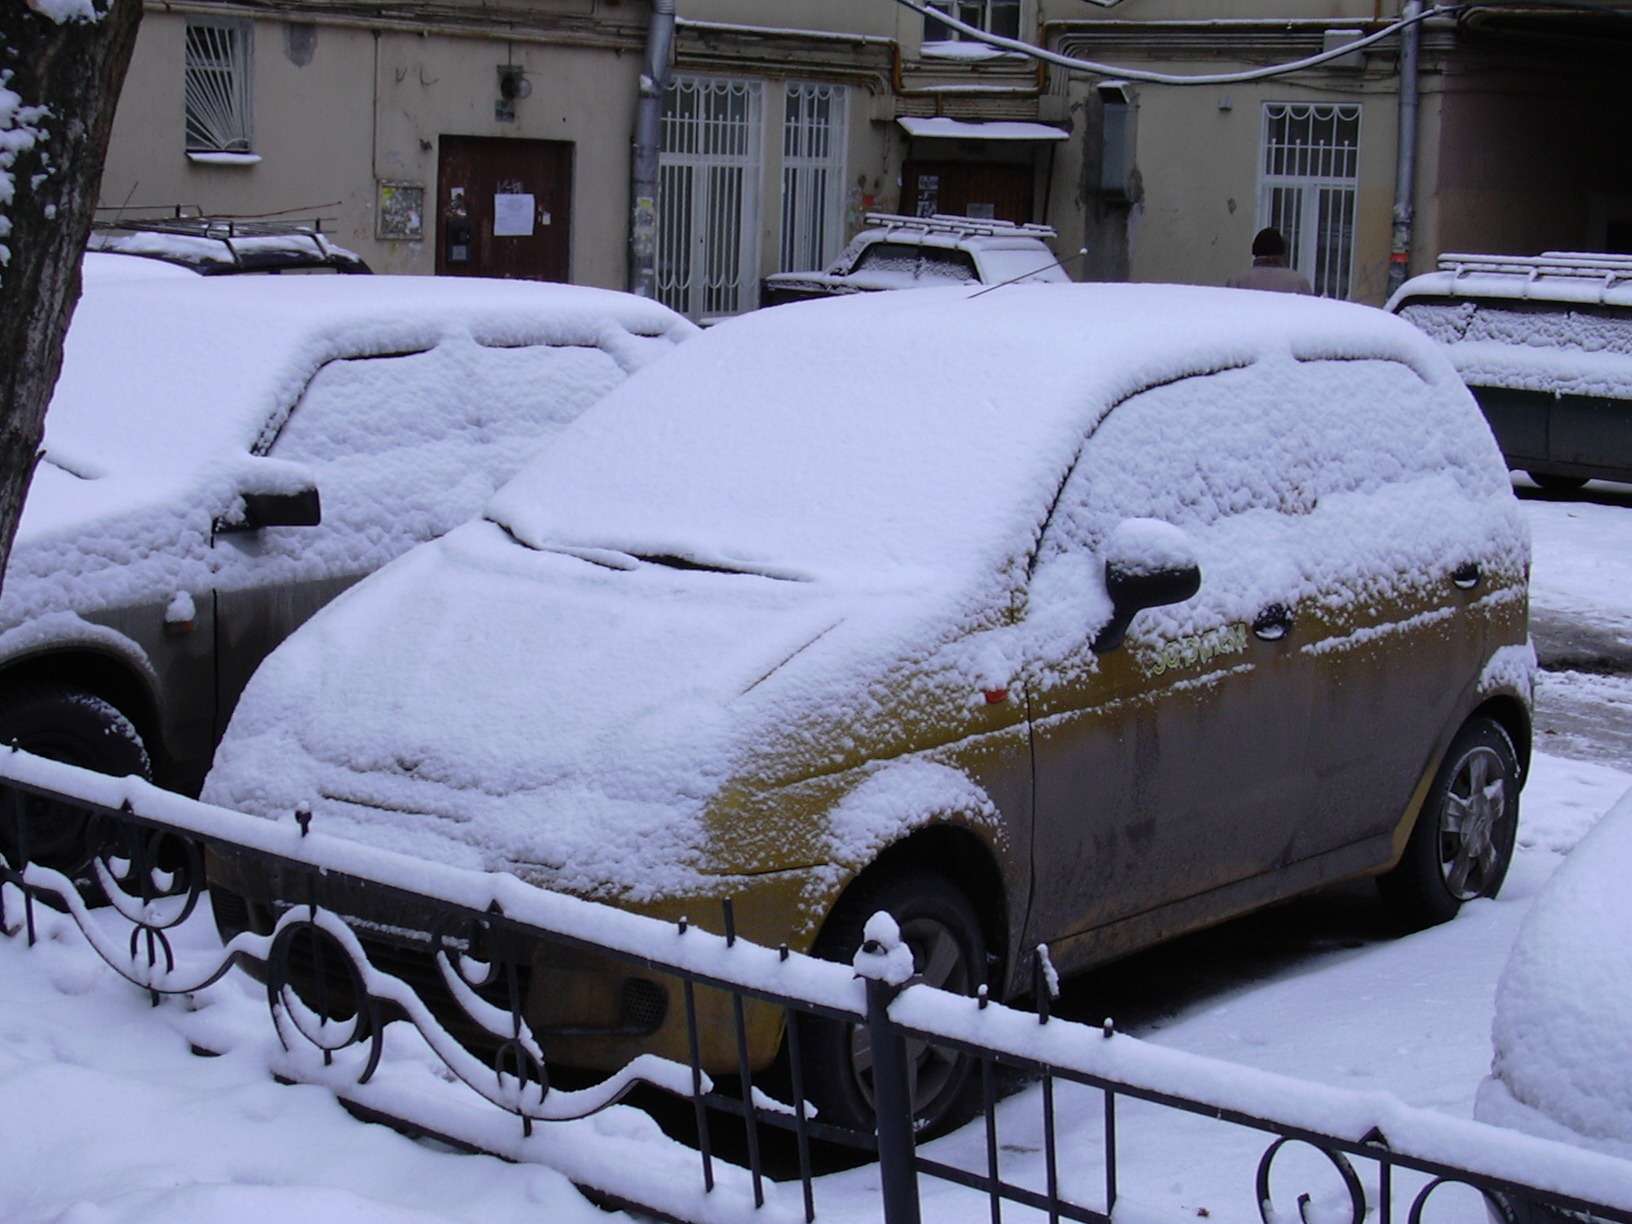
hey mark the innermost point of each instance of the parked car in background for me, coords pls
(925, 253)
(220, 246)
(1545, 344)
(224, 455)
(1029, 617)
(1563, 1065)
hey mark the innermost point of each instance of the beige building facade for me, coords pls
(461, 138)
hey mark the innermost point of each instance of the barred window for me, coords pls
(993, 16)
(708, 195)
(1307, 188)
(217, 86)
(813, 148)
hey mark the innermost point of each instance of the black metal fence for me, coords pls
(330, 1005)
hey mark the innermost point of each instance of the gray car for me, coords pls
(223, 456)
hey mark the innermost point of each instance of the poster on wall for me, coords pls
(513, 215)
(929, 194)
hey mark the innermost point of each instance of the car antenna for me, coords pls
(1058, 263)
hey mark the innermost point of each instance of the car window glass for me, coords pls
(918, 262)
(406, 447)
(1545, 325)
(1291, 478)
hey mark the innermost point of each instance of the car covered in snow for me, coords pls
(925, 253)
(224, 455)
(1563, 1065)
(1545, 344)
(1029, 617)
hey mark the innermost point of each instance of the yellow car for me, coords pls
(1073, 614)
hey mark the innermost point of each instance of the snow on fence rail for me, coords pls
(149, 854)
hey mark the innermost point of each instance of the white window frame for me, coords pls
(978, 13)
(1309, 189)
(709, 172)
(814, 149)
(218, 86)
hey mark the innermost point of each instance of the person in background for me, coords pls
(1269, 270)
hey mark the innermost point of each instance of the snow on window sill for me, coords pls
(969, 51)
(204, 158)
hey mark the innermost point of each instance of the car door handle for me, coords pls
(1466, 577)
(1273, 623)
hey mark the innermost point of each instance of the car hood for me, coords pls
(487, 704)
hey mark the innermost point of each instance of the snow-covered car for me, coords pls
(224, 455)
(215, 246)
(1029, 617)
(1545, 344)
(1563, 1063)
(925, 253)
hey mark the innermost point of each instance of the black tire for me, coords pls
(1550, 483)
(78, 728)
(1462, 844)
(937, 921)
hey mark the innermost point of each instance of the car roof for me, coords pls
(161, 371)
(935, 407)
(1576, 278)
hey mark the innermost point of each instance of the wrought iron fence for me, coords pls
(330, 1004)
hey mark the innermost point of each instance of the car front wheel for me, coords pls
(948, 952)
(77, 728)
(1463, 841)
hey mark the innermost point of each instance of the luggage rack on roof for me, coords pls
(973, 227)
(1573, 265)
(217, 246)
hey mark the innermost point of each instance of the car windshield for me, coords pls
(917, 263)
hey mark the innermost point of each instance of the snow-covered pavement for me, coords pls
(105, 1115)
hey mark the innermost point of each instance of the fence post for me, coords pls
(892, 1093)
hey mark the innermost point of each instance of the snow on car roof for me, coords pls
(160, 372)
(932, 428)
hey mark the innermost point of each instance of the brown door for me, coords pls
(503, 207)
(993, 191)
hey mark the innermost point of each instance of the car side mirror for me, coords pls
(302, 508)
(1148, 564)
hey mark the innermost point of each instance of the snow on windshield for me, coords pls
(1568, 348)
(889, 435)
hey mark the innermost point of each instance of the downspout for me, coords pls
(1405, 171)
(654, 80)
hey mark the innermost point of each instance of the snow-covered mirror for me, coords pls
(1148, 564)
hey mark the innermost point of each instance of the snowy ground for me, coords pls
(105, 1115)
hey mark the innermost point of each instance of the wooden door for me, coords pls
(503, 207)
(995, 191)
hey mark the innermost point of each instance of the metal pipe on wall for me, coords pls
(1405, 170)
(654, 80)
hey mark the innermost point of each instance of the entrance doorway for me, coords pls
(986, 190)
(503, 207)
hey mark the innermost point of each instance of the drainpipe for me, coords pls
(1405, 171)
(654, 79)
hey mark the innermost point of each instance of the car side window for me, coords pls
(406, 447)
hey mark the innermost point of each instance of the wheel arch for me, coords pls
(959, 853)
(1513, 717)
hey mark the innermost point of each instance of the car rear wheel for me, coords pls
(949, 952)
(1557, 484)
(77, 728)
(1463, 841)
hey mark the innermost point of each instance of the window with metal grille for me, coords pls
(1307, 188)
(813, 147)
(708, 195)
(993, 16)
(216, 86)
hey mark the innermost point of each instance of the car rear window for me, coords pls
(1581, 328)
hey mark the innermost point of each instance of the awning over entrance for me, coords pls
(942, 128)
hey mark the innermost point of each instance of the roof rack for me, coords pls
(215, 246)
(1573, 265)
(971, 226)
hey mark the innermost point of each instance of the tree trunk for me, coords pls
(62, 63)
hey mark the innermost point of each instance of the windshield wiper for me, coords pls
(616, 559)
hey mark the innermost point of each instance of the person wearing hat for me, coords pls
(1269, 270)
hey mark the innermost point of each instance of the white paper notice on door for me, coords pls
(513, 215)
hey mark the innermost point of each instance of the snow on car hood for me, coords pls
(486, 704)
(1562, 1058)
